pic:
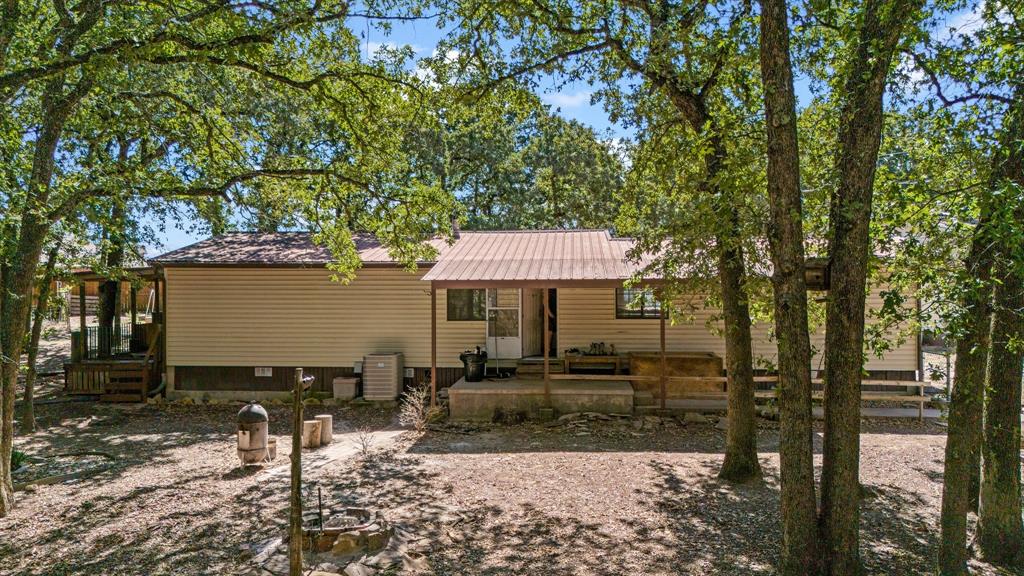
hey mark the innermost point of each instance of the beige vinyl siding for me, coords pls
(587, 315)
(297, 316)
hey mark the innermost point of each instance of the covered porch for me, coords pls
(119, 359)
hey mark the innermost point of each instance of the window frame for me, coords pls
(475, 307)
(623, 312)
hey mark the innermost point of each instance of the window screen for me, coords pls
(466, 304)
(636, 303)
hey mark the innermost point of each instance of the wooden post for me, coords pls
(163, 320)
(433, 346)
(547, 347)
(664, 363)
(156, 295)
(83, 341)
(920, 404)
(295, 506)
(135, 306)
(116, 328)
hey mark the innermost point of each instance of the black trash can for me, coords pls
(474, 363)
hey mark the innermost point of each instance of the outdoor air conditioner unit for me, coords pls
(383, 376)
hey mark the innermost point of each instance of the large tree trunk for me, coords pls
(28, 415)
(960, 491)
(108, 314)
(963, 442)
(740, 462)
(1000, 530)
(786, 238)
(860, 136)
(19, 278)
(692, 104)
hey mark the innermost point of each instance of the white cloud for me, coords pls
(565, 100)
(972, 19)
(907, 66)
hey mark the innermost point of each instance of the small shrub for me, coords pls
(364, 439)
(18, 459)
(415, 408)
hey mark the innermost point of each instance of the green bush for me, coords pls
(18, 459)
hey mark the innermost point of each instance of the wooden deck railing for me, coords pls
(897, 396)
(125, 380)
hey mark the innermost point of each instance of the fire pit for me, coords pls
(347, 532)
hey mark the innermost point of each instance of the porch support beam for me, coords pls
(433, 346)
(547, 348)
(83, 341)
(135, 305)
(664, 364)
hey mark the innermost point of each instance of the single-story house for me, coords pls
(244, 309)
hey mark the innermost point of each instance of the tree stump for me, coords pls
(326, 428)
(311, 434)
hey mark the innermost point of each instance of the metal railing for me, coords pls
(104, 342)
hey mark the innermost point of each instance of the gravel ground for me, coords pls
(174, 502)
(608, 499)
(596, 498)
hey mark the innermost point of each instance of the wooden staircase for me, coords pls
(127, 385)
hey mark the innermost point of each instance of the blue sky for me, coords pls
(570, 100)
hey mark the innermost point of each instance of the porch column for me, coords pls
(547, 347)
(433, 345)
(664, 364)
(83, 341)
(156, 296)
(135, 306)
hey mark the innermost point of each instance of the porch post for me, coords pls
(664, 364)
(156, 295)
(83, 340)
(547, 347)
(135, 306)
(433, 345)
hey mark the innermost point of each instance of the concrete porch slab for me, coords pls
(489, 399)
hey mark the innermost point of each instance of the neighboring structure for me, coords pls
(243, 310)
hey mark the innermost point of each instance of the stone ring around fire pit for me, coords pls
(348, 532)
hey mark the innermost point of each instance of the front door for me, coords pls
(504, 319)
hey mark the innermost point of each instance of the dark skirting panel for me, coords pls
(229, 378)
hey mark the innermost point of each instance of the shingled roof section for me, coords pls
(274, 248)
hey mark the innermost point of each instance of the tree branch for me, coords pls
(933, 79)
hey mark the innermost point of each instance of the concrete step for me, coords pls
(643, 398)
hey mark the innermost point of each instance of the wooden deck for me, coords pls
(123, 379)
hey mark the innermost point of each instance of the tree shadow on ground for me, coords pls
(693, 523)
(175, 502)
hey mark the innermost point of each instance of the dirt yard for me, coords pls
(592, 498)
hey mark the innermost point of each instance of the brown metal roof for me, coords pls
(274, 249)
(496, 257)
(534, 256)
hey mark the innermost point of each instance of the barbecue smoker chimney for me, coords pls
(455, 226)
(253, 425)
